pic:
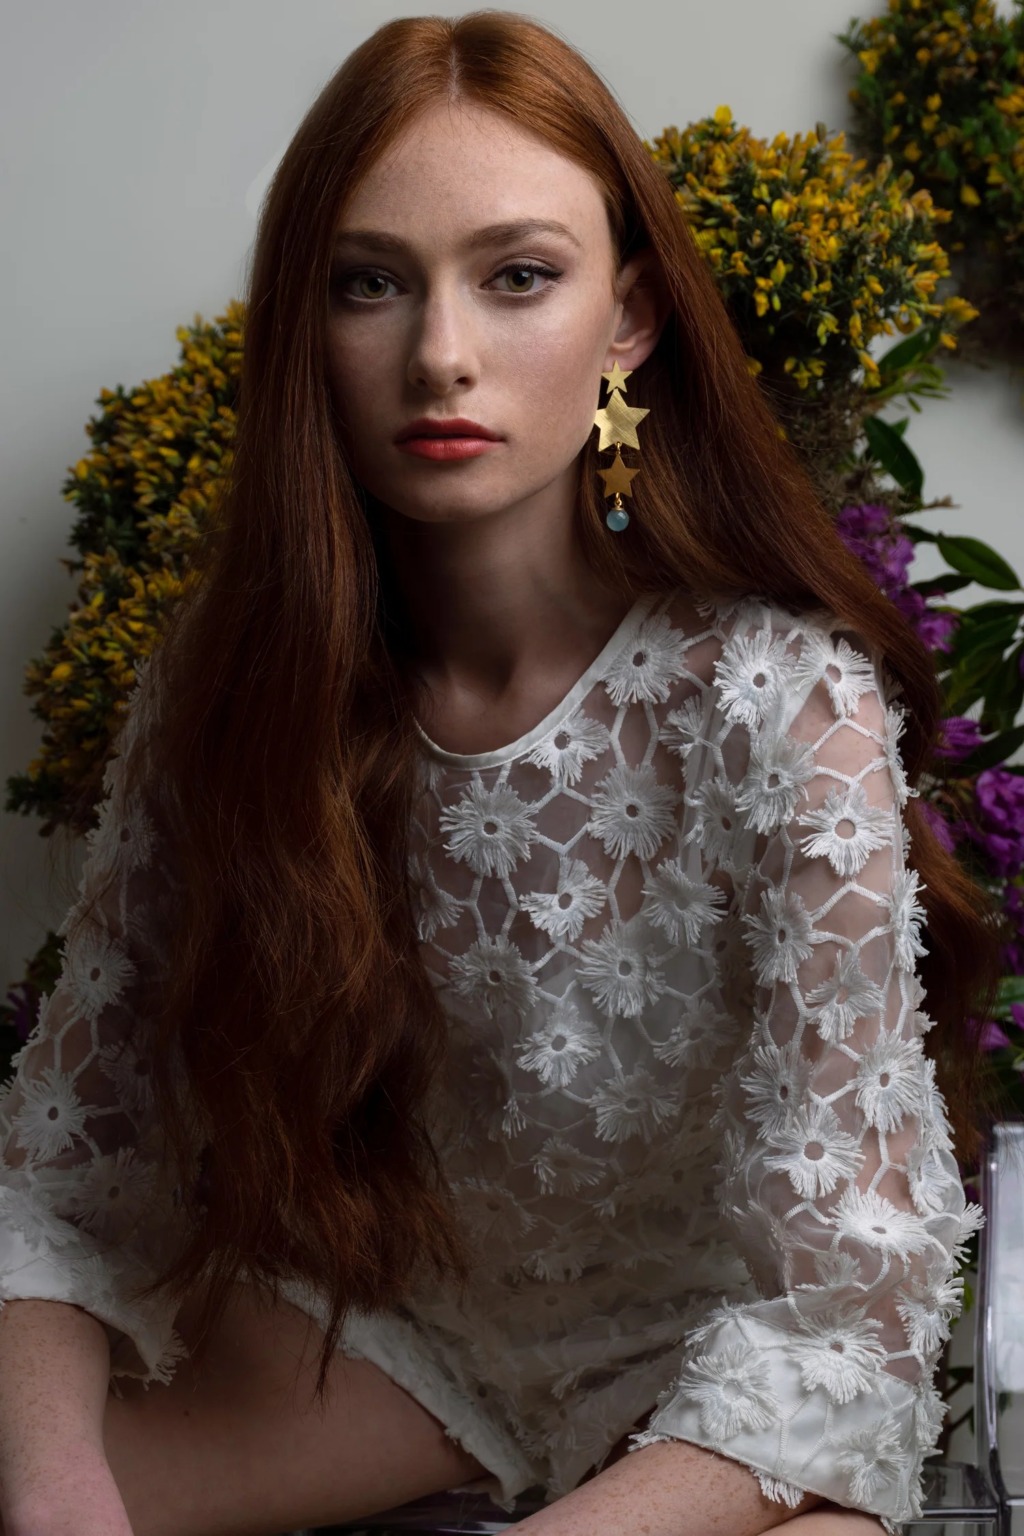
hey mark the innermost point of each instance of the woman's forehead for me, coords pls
(466, 169)
(456, 140)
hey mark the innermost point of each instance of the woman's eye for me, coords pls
(364, 280)
(371, 285)
(525, 270)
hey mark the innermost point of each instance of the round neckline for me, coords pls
(626, 627)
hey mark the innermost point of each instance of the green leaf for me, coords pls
(966, 682)
(978, 561)
(991, 608)
(989, 634)
(1005, 694)
(909, 351)
(940, 586)
(892, 453)
(1011, 990)
(920, 535)
(990, 753)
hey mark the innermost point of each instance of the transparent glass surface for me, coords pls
(953, 1527)
(1007, 1303)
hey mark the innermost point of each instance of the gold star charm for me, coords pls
(617, 477)
(618, 422)
(616, 378)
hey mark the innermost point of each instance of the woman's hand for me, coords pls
(80, 1498)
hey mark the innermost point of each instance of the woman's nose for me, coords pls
(443, 349)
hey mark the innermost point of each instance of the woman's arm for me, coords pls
(86, 1212)
(836, 1179)
(54, 1373)
(681, 1489)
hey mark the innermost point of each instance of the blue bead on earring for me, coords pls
(617, 422)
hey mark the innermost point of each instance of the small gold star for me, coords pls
(616, 378)
(617, 477)
(618, 422)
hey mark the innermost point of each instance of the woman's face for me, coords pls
(434, 313)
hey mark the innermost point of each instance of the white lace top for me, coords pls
(687, 1113)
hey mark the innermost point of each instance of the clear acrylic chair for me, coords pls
(999, 1344)
(970, 1498)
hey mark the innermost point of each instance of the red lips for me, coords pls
(453, 426)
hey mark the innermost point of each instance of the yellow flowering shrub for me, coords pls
(940, 92)
(143, 493)
(814, 257)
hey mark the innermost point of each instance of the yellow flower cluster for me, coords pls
(144, 493)
(814, 257)
(940, 90)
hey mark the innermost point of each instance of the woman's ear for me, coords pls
(644, 305)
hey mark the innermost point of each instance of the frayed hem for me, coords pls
(644, 1437)
(778, 1491)
(161, 1371)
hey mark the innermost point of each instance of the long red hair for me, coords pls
(295, 1031)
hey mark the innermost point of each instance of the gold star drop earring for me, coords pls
(618, 423)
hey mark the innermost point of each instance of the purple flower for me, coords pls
(999, 803)
(943, 829)
(992, 1038)
(872, 534)
(935, 629)
(863, 522)
(938, 630)
(960, 736)
(897, 560)
(1013, 951)
(23, 1001)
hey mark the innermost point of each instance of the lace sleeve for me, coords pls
(837, 1180)
(85, 1207)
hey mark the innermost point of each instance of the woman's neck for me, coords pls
(487, 596)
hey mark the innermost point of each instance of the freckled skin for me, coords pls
(644, 1491)
(504, 604)
(510, 598)
(449, 337)
(443, 332)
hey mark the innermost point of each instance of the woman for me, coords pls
(499, 962)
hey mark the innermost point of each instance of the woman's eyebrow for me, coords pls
(491, 234)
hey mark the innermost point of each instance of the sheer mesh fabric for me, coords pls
(687, 1111)
(86, 1207)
